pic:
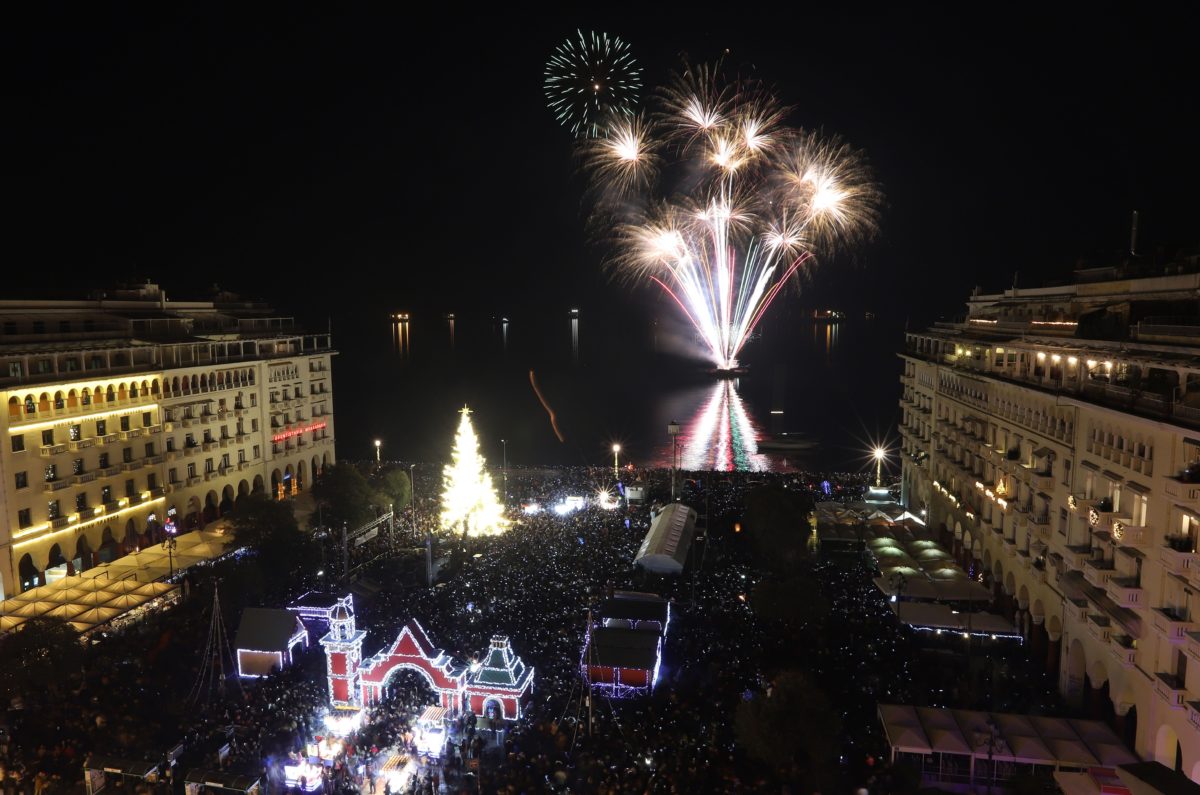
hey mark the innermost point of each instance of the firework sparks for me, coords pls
(590, 78)
(757, 201)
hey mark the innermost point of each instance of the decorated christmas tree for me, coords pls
(469, 503)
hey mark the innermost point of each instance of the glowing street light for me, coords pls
(378, 446)
(616, 448)
(880, 454)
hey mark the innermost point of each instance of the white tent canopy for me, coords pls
(109, 590)
(665, 547)
(1027, 739)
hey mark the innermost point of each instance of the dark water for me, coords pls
(829, 390)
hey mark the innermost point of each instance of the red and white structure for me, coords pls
(498, 686)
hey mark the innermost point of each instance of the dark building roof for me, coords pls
(635, 607)
(622, 648)
(267, 629)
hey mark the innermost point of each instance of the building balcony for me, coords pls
(1076, 608)
(222, 414)
(193, 480)
(210, 475)
(1193, 709)
(83, 477)
(186, 422)
(1178, 490)
(190, 451)
(132, 433)
(207, 418)
(129, 466)
(107, 438)
(81, 444)
(1172, 626)
(1042, 482)
(1132, 535)
(1080, 503)
(239, 412)
(1122, 649)
(225, 441)
(1191, 645)
(1171, 689)
(56, 485)
(1099, 627)
(1098, 572)
(209, 445)
(172, 455)
(108, 472)
(241, 465)
(153, 460)
(1076, 558)
(154, 429)
(1176, 558)
(60, 522)
(1125, 591)
(49, 450)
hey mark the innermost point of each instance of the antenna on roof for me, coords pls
(1133, 235)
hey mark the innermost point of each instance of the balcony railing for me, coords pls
(1171, 689)
(1123, 650)
(1175, 559)
(1130, 535)
(1179, 490)
(1098, 572)
(1099, 627)
(1171, 625)
(1125, 591)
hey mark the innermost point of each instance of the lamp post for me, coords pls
(378, 447)
(616, 448)
(673, 430)
(880, 454)
(169, 543)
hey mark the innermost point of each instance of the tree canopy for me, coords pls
(395, 485)
(344, 497)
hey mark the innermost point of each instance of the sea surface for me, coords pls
(561, 388)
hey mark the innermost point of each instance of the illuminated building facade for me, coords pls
(130, 412)
(1054, 436)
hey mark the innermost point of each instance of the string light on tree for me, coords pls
(469, 501)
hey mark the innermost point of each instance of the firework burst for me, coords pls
(730, 202)
(590, 79)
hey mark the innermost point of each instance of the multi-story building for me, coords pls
(132, 411)
(1054, 436)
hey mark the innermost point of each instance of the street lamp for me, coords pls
(378, 446)
(169, 543)
(616, 462)
(880, 454)
(673, 430)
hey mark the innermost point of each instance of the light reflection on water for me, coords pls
(718, 433)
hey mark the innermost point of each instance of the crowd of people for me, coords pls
(535, 584)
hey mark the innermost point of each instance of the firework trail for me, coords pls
(718, 202)
(549, 411)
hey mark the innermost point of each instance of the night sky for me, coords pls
(342, 163)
